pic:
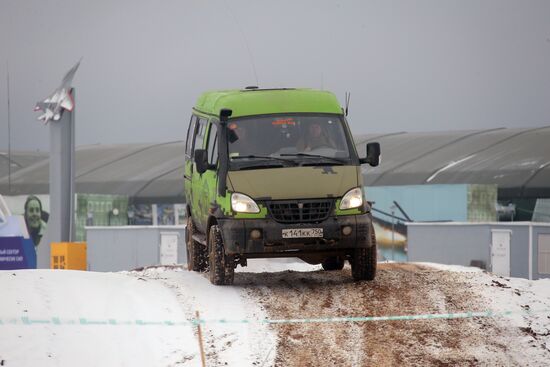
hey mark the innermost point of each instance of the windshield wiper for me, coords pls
(314, 156)
(263, 157)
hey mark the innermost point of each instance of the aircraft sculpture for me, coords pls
(61, 99)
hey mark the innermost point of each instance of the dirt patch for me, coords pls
(399, 289)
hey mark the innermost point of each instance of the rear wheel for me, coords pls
(333, 263)
(363, 263)
(222, 266)
(196, 253)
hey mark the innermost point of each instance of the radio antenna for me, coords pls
(245, 40)
(348, 96)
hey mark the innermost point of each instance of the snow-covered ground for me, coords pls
(526, 303)
(61, 298)
(141, 318)
(229, 344)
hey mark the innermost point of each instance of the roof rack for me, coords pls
(253, 88)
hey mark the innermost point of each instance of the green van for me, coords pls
(275, 173)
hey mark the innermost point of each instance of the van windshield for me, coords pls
(299, 139)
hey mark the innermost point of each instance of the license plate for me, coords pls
(302, 232)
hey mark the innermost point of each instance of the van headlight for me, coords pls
(352, 199)
(243, 204)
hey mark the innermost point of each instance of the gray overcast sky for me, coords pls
(410, 65)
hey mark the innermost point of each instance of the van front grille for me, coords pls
(299, 211)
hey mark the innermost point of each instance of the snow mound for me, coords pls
(73, 295)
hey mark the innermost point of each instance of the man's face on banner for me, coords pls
(33, 214)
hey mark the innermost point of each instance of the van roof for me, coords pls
(249, 102)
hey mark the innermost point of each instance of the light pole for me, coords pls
(393, 207)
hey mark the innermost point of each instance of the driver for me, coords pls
(314, 138)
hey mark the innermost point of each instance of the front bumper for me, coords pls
(237, 240)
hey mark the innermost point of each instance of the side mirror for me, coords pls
(373, 154)
(201, 160)
(225, 114)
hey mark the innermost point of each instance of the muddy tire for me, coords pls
(222, 267)
(333, 263)
(363, 263)
(196, 253)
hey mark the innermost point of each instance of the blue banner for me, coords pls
(17, 253)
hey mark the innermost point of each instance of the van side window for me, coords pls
(213, 144)
(199, 138)
(190, 133)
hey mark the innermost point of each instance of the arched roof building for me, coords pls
(517, 160)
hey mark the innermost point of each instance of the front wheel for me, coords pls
(222, 266)
(196, 253)
(363, 262)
